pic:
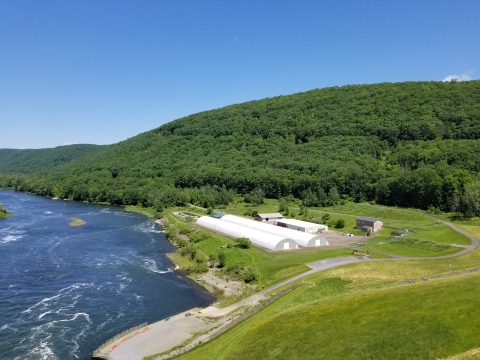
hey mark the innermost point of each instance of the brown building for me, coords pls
(366, 223)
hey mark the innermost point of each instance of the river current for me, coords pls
(66, 290)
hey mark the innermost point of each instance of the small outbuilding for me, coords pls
(303, 226)
(367, 223)
(268, 217)
(217, 215)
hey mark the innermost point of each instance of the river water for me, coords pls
(64, 291)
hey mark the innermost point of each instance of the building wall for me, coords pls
(375, 225)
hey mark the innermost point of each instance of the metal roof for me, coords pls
(217, 215)
(271, 215)
(365, 218)
(302, 223)
(257, 237)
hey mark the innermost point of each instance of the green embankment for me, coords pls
(430, 320)
(358, 311)
(355, 308)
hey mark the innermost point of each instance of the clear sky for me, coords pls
(98, 72)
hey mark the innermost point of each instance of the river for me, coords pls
(66, 290)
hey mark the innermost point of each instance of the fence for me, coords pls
(98, 354)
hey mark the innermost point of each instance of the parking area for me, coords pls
(336, 238)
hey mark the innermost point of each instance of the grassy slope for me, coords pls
(424, 321)
(369, 321)
(428, 320)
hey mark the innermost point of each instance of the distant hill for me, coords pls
(407, 144)
(30, 161)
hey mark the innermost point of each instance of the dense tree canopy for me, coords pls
(406, 144)
(30, 161)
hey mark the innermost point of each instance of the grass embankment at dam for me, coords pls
(330, 320)
(359, 311)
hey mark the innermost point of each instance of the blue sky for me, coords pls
(102, 71)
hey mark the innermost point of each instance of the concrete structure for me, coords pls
(257, 237)
(367, 223)
(303, 226)
(301, 238)
(268, 217)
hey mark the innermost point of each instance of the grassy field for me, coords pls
(423, 321)
(408, 246)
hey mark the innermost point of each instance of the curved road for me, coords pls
(164, 335)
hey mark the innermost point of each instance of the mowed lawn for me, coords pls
(428, 320)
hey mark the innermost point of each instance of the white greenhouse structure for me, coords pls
(258, 238)
(300, 225)
(301, 238)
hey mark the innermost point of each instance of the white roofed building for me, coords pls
(301, 238)
(300, 225)
(258, 238)
(268, 217)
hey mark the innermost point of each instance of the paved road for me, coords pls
(160, 336)
(163, 336)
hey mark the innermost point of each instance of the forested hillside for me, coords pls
(407, 144)
(29, 161)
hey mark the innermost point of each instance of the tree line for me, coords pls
(406, 144)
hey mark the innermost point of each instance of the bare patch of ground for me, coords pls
(229, 286)
(336, 238)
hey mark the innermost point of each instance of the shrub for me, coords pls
(181, 243)
(222, 258)
(249, 275)
(200, 256)
(243, 243)
(240, 272)
(339, 224)
(198, 268)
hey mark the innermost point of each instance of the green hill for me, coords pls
(30, 161)
(407, 144)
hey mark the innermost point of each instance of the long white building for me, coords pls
(300, 225)
(257, 237)
(301, 238)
